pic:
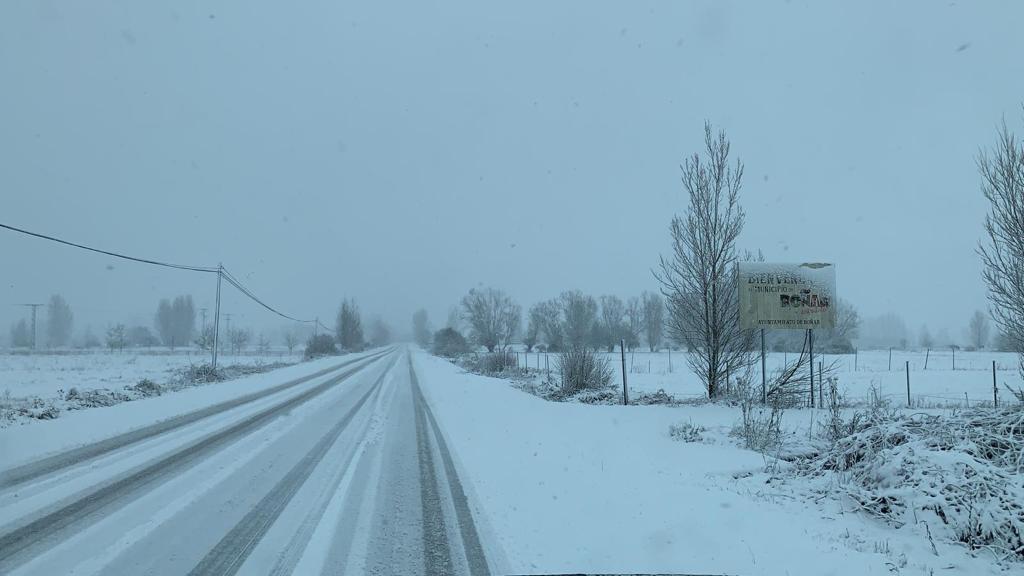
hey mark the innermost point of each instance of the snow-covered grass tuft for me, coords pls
(962, 471)
(686, 432)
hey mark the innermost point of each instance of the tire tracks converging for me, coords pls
(17, 544)
(32, 470)
(438, 553)
(230, 553)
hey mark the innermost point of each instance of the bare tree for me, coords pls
(262, 343)
(579, 317)
(654, 319)
(116, 338)
(699, 280)
(634, 322)
(21, 336)
(925, 339)
(978, 330)
(549, 315)
(380, 333)
(612, 328)
(534, 323)
(1002, 175)
(349, 326)
(839, 339)
(291, 340)
(58, 321)
(421, 328)
(239, 339)
(493, 317)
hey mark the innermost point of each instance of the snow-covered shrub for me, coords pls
(449, 343)
(146, 387)
(965, 470)
(492, 363)
(320, 345)
(686, 432)
(761, 425)
(201, 374)
(580, 368)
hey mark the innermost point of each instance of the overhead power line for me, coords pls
(241, 288)
(108, 253)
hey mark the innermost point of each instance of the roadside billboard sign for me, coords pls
(787, 296)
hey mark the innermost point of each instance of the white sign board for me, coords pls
(787, 296)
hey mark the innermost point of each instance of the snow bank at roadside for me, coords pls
(572, 487)
(36, 438)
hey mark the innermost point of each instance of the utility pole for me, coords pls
(33, 307)
(216, 319)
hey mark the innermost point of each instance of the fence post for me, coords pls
(908, 383)
(995, 389)
(821, 385)
(810, 349)
(855, 359)
(625, 391)
(927, 352)
(953, 348)
(890, 358)
(764, 378)
(669, 360)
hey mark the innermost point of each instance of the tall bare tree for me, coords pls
(349, 326)
(421, 328)
(634, 322)
(925, 339)
(1002, 183)
(978, 330)
(654, 319)
(380, 332)
(579, 317)
(549, 316)
(699, 280)
(21, 336)
(58, 321)
(611, 327)
(534, 323)
(492, 316)
(291, 340)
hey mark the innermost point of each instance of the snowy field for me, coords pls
(572, 487)
(44, 375)
(938, 386)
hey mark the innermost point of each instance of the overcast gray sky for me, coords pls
(401, 153)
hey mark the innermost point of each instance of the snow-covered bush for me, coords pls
(580, 369)
(964, 471)
(491, 363)
(761, 425)
(449, 343)
(320, 345)
(686, 432)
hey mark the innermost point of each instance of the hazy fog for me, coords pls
(401, 153)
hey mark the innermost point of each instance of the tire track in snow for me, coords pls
(231, 551)
(17, 545)
(437, 555)
(32, 470)
(475, 556)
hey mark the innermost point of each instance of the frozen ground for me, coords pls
(937, 386)
(45, 375)
(567, 487)
(370, 462)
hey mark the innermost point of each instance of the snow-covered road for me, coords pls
(343, 469)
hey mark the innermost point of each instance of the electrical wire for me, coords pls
(114, 254)
(241, 288)
(231, 279)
